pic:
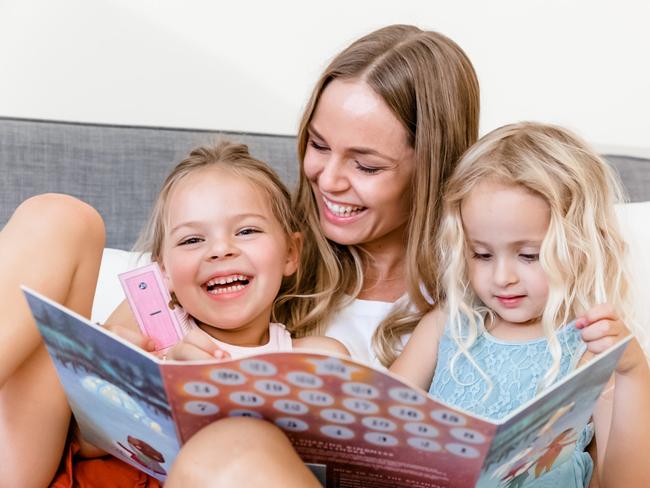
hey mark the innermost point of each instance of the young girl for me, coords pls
(529, 241)
(224, 235)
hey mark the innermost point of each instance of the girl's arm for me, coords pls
(622, 416)
(417, 362)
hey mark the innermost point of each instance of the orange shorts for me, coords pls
(106, 471)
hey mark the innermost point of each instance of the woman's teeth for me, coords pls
(342, 211)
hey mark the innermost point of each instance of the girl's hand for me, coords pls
(195, 345)
(133, 336)
(601, 328)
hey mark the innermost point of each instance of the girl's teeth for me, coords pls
(230, 289)
(225, 281)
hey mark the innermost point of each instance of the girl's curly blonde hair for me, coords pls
(582, 253)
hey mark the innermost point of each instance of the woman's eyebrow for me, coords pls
(359, 149)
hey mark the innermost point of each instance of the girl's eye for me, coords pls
(189, 241)
(367, 169)
(484, 256)
(248, 231)
(530, 257)
(317, 146)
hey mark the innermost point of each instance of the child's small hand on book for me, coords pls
(135, 337)
(195, 345)
(601, 328)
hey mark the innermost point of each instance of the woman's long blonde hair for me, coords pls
(431, 87)
(236, 159)
(582, 252)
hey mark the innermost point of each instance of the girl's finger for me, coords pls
(602, 328)
(599, 312)
(601, 344)
(187, 352)
(201, 340)
(133, 336)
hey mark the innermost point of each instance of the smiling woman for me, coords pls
(383, 129)
(360, 165)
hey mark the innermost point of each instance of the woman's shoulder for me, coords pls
(321, 344)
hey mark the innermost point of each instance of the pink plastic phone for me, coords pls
(150, 302)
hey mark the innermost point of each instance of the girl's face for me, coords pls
(504, 227)
(359, 164)
(224, 253)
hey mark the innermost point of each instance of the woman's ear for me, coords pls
(294, 248)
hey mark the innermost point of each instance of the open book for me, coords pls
(356, 425)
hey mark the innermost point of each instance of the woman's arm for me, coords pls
(321, 343)
(417, 362)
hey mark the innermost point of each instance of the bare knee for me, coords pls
(240, 452)
(63, 212)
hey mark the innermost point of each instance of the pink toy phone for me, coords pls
(150, 302)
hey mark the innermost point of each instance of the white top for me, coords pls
(279, 341)
(354, 325)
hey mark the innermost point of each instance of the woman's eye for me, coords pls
(189, 240)
(367, 169)
(484, 256)
(317, 146)
(530, 257)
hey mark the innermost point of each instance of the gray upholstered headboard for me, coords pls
(119, 169)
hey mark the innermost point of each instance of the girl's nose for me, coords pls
(505, 273)
(222, 248)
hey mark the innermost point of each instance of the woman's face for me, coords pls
(359, 164)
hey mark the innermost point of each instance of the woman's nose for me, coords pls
(332, 178)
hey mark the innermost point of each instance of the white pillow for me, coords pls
(109, 292)
(634, 219)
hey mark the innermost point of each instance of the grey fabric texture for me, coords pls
(634, 173)
(119, 169)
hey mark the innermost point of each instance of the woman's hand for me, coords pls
(601, 328)
(195, 345)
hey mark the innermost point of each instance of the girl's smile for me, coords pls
(224, 253)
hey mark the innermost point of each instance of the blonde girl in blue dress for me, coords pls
(534, 284)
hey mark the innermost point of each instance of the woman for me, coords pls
(382, 131)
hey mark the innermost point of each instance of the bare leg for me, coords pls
(53, 244)
(240, 452)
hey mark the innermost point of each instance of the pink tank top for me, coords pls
(279, 341)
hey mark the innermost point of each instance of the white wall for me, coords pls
(249, 66)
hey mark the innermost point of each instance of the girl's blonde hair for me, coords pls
(582, 252)
(235, 159)
(430, 85)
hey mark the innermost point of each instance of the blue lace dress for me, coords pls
(515, 370)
